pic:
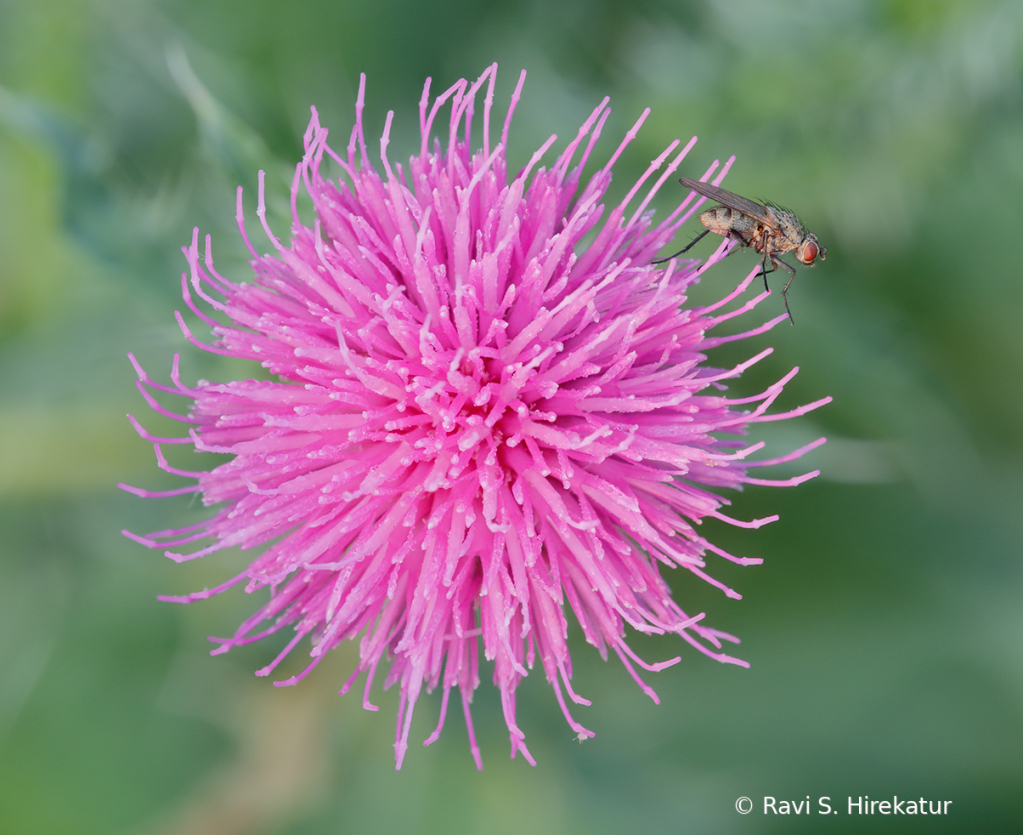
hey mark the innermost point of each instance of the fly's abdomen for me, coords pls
(722, 220)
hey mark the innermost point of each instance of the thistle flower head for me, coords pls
(482, 423)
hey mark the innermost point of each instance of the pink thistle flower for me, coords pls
(481, 423)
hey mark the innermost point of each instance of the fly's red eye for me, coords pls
(809, 253)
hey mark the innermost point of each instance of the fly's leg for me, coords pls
(739, 239)
(686, 248)
(764, 271)
(784, 290)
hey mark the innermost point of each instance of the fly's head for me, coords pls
(808, 249)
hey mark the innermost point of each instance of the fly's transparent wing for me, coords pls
(733, 201)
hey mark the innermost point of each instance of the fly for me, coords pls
(769, 229)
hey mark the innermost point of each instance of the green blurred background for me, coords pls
(885, 628)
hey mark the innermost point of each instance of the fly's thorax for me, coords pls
(788, 225)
